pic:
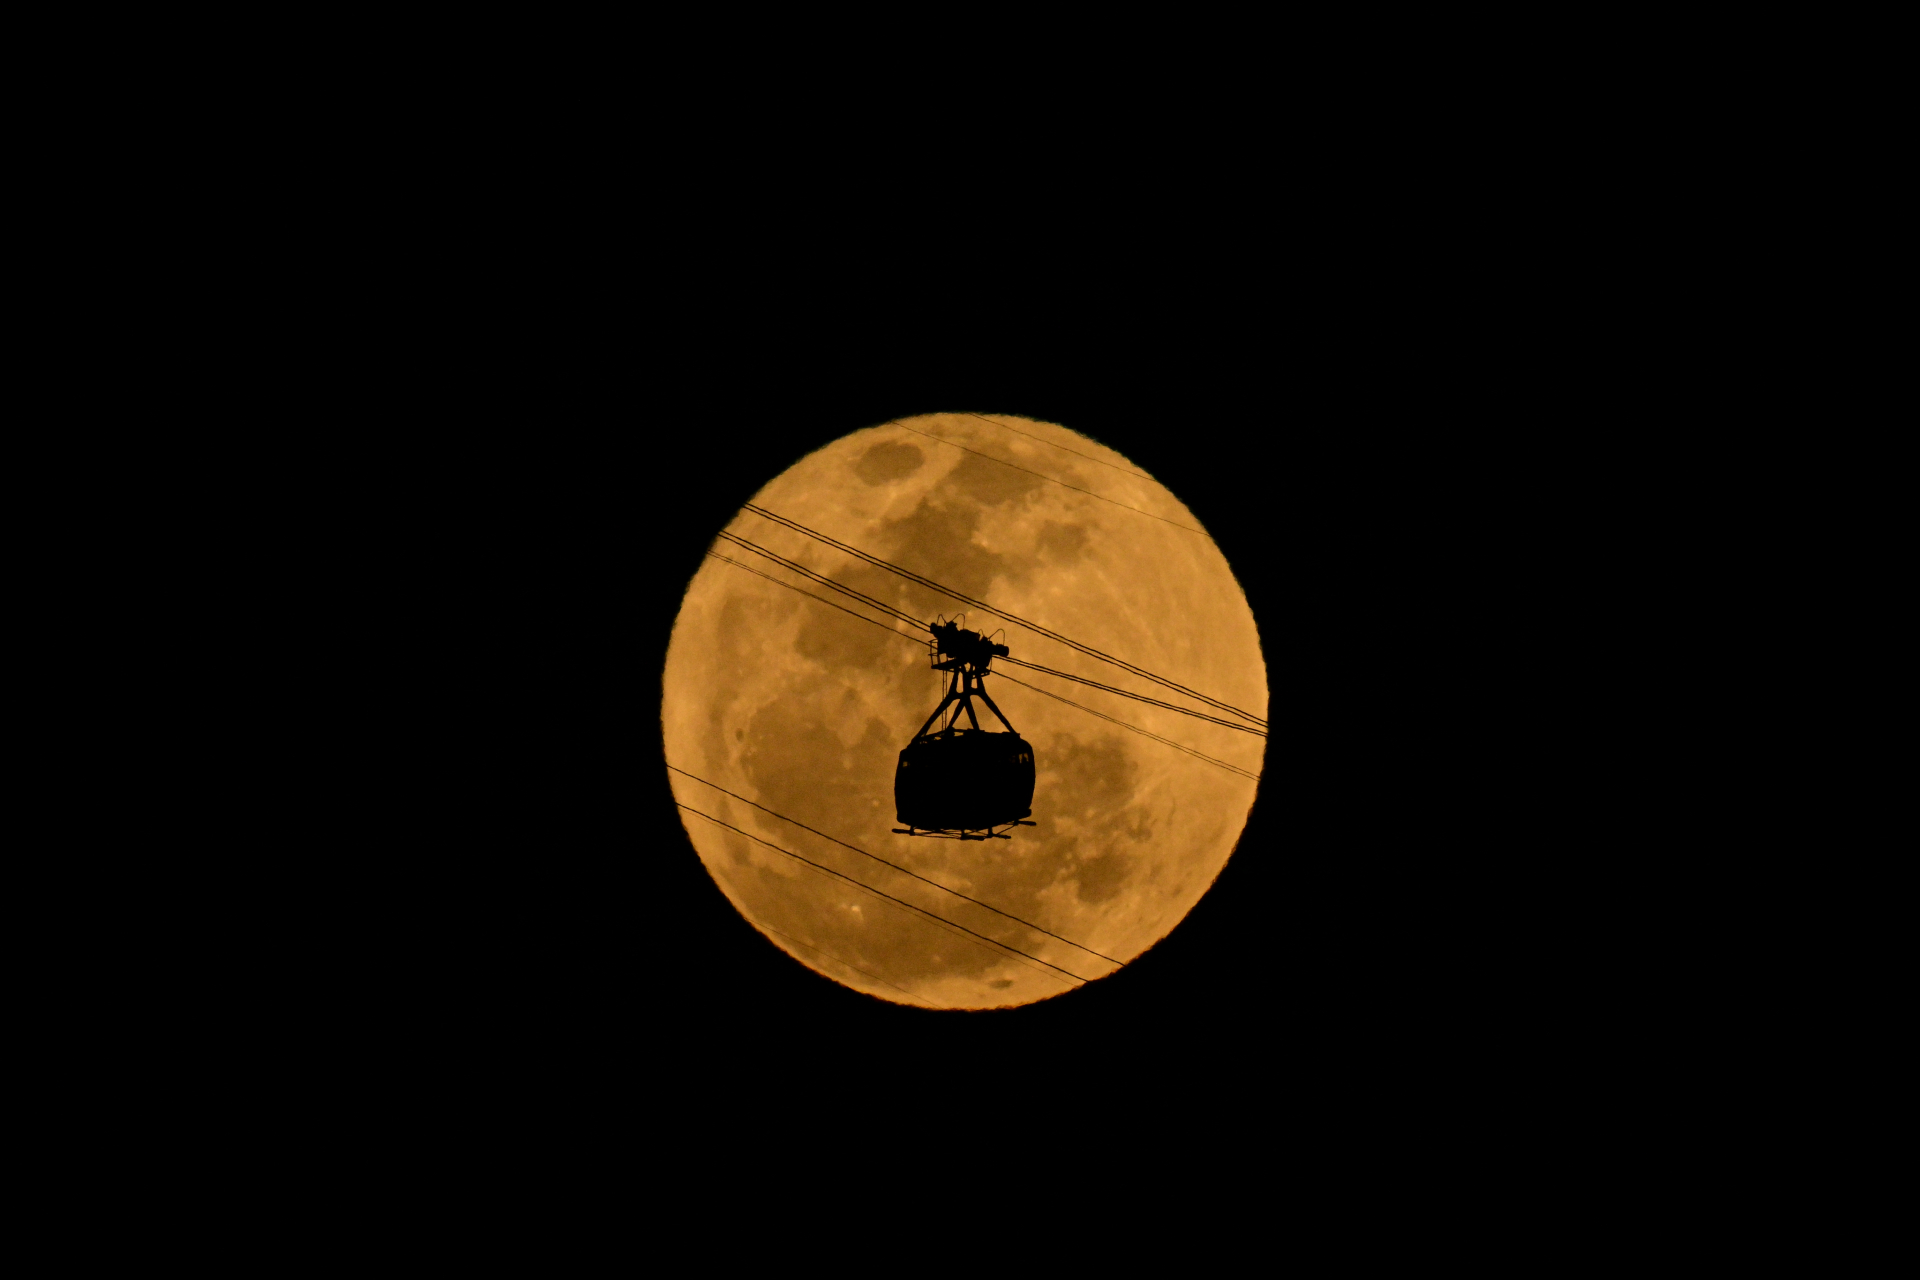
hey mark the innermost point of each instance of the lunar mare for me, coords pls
(802, 709)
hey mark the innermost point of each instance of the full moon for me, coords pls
(786, 705)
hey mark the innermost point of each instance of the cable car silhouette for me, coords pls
(960, 783)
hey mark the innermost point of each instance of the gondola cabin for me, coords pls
(958, 781)
(964, 780)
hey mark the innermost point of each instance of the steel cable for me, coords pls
(940, 920)
(1137, 697)
(1036, 688)
(1043, 440)
(897, 867)
(982, 605)
(870, 601)
(1231, 768)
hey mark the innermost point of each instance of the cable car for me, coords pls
(961, 783)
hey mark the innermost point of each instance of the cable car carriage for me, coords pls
(961, 783)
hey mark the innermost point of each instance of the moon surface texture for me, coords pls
(799, 710)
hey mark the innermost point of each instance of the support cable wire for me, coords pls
(1037, 689)
(872, 602)
(982, 605)
(823, 580)
(1031, 666)
(1231, 768)
(809, 595)
(1030, 471)
(1075, 452)
(823, 600)
(940, 920)
(897, 867)
(1152, 702)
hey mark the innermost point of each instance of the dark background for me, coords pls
(507, 463)
(1351, 918)
(528, 895)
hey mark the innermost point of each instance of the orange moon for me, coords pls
(783, 717)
